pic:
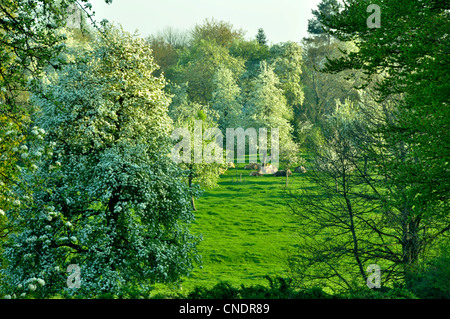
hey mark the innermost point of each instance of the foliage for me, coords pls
(410, 49)
(326, 10)
(279, 288)
(287, 62)
(109, 198)
(202, 168)
(198, 65)
(383, 293)
(266, 105)
(164, 54)
(220, 32)
(321, 90)
(30, 40)
(261, 37)
(227, 100)
(431, 279)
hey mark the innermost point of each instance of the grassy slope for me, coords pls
(247, 230)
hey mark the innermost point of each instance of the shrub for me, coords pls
(278, 288)
(431, 279)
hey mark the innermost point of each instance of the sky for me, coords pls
(282, 20)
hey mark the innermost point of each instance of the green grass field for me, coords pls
(247, 230)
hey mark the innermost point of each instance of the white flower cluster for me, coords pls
(33, 282)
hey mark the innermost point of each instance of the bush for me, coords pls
(222, 290)
(431, 279)
(278, 288)
(382, 293)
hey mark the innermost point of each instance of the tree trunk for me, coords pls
(355, 249)
(191, 177)
(193, 203)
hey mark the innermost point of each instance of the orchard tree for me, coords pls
(109, 199)
(201, 141)
(290, 156)
(287, 63)
(267, 107)
(30, 40)
(226, 100)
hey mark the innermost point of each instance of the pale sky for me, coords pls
(282, 20)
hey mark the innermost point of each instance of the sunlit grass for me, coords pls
(246, 228)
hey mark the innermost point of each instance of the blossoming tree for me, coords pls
(108, 198)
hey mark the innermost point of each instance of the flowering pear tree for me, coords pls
(107, 198)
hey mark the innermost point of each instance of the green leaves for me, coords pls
(115, 185)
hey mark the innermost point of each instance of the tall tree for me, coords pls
(30, 41)
(321, 90)
(287, 63)
(261, 37)
(205, 160)
(226, 100)
(220, 32)
(325, 10)
(411, 49)
(267, 107)
(109, 198)
(198, 65)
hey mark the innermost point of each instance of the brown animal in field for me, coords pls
(300, 169)
(252, 166)
(256, 174)
(283, 173)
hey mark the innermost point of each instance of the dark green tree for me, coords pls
(261, 37)
(410, 50)
(325, 10)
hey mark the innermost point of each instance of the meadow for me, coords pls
(247, 230)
